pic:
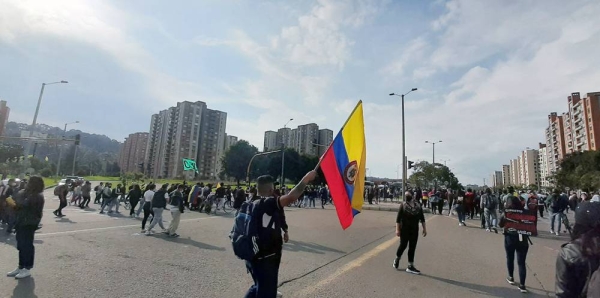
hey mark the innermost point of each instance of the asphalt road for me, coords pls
(87, 254)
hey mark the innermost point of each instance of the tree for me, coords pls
(579, 170)
(236, 160)
(427, 175)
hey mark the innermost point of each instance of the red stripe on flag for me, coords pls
(337, 188)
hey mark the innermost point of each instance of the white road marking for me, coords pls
(113, 228)
(352, 264)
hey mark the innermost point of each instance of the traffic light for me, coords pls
(77, 139)
(410, 164)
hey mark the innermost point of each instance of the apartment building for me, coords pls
(506, 181)
(325, 139)
(584, 114)
(270, 143)
(529, 167)
(543, 165)
(133, 153)
(307, 139)
(188, 131)
(229, 141)
(555, 140)
(4, 113)
(496, 180)
(515, 172)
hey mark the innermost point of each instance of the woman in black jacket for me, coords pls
(29, 204)
(580, 257)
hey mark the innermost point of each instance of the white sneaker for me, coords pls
(557, 233)
(14, 273)
(23, 274)
(279, 295)
(487, 230)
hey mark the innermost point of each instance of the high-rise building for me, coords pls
(133, 153)
(496, 180)
(4, 113)
(584, 117)
(308, 135)
(514, 172)
(188, 131)
(229, 141)
(270, 141)
(301, 139)
(555, 141)
(543, 164)
(212, 139)
(506, 175)
(529, 171)
(325, 139)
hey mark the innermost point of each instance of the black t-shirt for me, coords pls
(410, 216)
(271, 239)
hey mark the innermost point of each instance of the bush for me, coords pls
(46, 172)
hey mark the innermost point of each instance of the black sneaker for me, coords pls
(510, 280)
(522, 288)
(496, 230)
(55, 213)
(413, 270)
(396, 263)
(174, 235)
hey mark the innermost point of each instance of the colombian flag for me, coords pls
(343, 165)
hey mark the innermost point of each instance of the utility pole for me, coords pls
(404, 174)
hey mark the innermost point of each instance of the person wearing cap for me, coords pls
(579, 258)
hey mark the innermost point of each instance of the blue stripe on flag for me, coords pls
(341, 158)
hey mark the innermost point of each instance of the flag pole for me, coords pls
(343, 126)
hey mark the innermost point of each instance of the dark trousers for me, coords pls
(97, 198)
(85, 202)
(134, 203)
(541, 209)
(482, 217)
(471, 210)
(25, 246)
(265, 274)
(512, 245)
(441, 206)
(323, 202)
(147, 212)
(63, 204)
(434, 207)
(408, 237)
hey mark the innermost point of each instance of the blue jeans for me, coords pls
(460, 210)
(265, 274)
(553, 216)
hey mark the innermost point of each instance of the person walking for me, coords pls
(515, 242)
(106, 198)
(451, 201)
(489, 204)
(98, 190)
(159, 203)
(86, 190)
(469, 201)
(557, 206)
(580, 258)
(176, 206)
(147, 204)
(117, 194)
(134, 196)
(409, 216)
(29, 205)
(324, 194)
(265, 267)
(63, 191)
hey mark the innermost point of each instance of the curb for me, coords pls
(388, 208)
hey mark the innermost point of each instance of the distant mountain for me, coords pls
(96, 153)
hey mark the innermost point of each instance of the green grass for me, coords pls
(49, 182)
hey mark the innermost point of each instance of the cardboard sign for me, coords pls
(521, 221)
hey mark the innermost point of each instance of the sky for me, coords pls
(488, 73)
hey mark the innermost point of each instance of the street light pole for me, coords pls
(61, 148)
(433, 144)
(404, 174)
(37, 110)
(283, 156)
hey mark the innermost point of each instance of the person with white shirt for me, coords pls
(147, 205)
(159, 204)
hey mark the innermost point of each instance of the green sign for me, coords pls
(189, 165)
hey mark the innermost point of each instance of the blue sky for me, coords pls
(488, 72)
